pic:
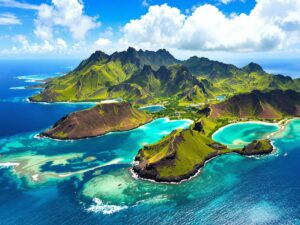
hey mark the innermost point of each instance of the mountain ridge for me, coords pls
(97, 77)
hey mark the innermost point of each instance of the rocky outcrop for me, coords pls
(261, 147)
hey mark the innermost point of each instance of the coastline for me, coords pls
(193, 174)
(166, 119)
(64, 102)
(281, 124)
(239, 122)
(148, 106)
(92, 136)
(196, 172)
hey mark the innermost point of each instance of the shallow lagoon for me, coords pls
(48, 158)
(153, 108)
(238, 135)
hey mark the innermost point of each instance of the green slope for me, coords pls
(182, 153)
(146, 75)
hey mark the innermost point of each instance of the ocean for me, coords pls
(90, 182)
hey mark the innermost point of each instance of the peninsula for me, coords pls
(182, 154)
(97, 121)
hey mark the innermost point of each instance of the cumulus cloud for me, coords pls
(61, 44)
(156, 28)
(9, 19)
(24, 46)
(102, 42)
(272, 24)
(66, 14)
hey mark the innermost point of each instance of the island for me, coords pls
(97, 121)
(210, 93)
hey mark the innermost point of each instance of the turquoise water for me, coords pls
(240, 134)
(89, 181)
(221, 98)
(153, 108)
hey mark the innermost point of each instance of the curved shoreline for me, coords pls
(148, 106)
(166, 119)
(244, 122)
(62, 102)
(92, 136)
(281, 124)
(196, 172)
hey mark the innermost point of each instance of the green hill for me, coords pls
(92, 78)
(166, 82)
(143, 76)
(204, 67)
(181, 154)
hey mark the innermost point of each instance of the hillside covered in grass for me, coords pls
(148, 77)
(182, 153)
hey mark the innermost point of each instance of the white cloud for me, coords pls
(108, 32)
(272, 24)
(102, 42)
(61, 44)
(66, 14)
(9, 19)
(16, 4)
(25, 47)
(156, 28)
(225, 1)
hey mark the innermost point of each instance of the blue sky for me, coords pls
(214, 28)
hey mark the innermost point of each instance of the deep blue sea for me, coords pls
(44, 181)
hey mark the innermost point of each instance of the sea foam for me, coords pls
(99, 207)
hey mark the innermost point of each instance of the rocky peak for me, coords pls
(253, 67)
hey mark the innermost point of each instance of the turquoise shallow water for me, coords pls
(221, 98)
(240, 134)
(153, 108)
(97, 186)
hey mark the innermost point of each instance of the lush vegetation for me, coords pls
(144, 77)
(182, 153)
(187, 89)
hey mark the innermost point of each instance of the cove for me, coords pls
(238, 135)
(153, 108)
